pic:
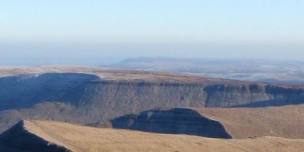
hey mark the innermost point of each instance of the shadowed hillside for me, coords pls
(20, 139)
(175, 121)
(24, 91)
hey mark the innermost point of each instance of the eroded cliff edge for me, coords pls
(91, 95)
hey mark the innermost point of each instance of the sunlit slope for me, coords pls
(286, 121)
(68, 137)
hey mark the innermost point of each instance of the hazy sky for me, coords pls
(99, 31)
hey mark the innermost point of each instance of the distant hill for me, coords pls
(238, 69)
(63, 137)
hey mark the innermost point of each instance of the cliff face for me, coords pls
(87, 89)
(252, 95)
(91, 97)
(23, 91)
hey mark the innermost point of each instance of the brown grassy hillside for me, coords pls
(87, 139)
(284, 121)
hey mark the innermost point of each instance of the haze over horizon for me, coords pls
(101, 32)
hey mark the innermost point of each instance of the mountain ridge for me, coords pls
(74, 138)
(92, 94)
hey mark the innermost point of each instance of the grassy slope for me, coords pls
(286, 121)
(80, 138)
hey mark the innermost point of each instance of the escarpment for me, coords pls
(90, 95)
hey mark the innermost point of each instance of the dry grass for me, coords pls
(128, 75)
(284, 121)
(87, 139)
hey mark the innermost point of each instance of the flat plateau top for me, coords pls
(108, 74)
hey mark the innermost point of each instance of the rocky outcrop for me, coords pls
(174, 121)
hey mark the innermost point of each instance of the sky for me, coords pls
(93, 32)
